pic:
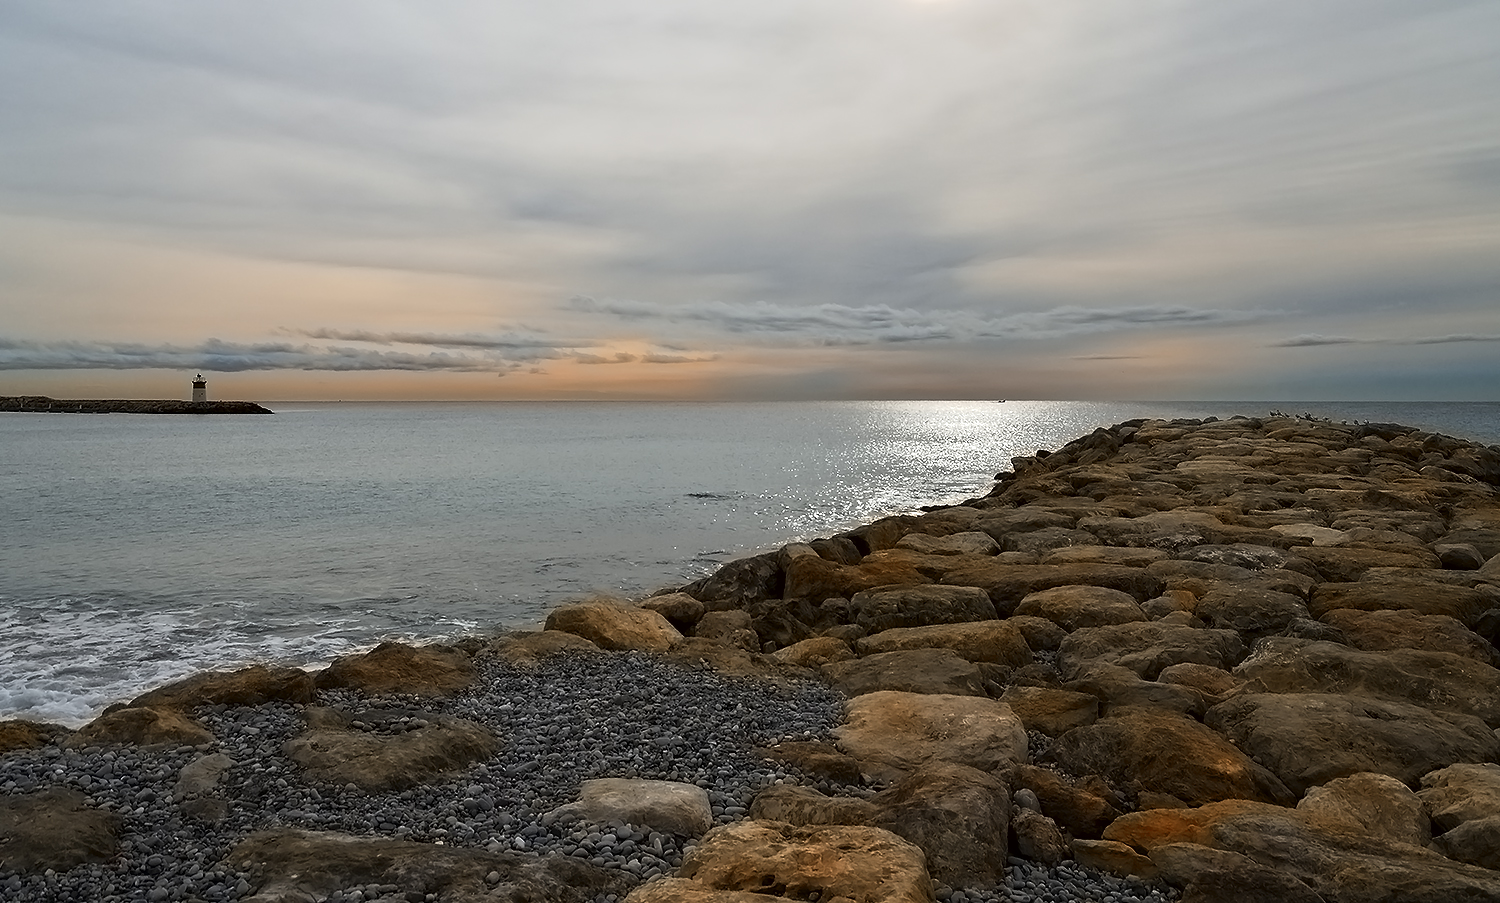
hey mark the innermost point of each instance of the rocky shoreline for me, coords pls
(41, 404)
(1252, 659)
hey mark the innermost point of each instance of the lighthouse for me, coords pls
(200, 390)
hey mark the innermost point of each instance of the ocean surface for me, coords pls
(135, 549)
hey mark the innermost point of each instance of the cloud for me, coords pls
(1311, 340)
(229, 357)
(1449, 339)
(839, 324)
(508, 342)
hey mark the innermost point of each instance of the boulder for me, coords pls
(816, 579)
(1045, 541)
(1251, 611)
(1125, 556)
(959, 817)
(248, 686)
(1309, 739)
(1461, 793)
(287, 864)
(613, 625)
(740, 582)
(336, 749)
(1146, 749)
(1343, 563)
(1119, 688)
(1458, 556)
(1148, 647)
(1464, 604)
(909, 670)
(21, 734)
(1439, 681)
(1083, 808)
(527, 649)
(1338, 866)
(731, 628)
(399, 668)
(201, 776)
(666, 806)
(893, 734)
(1072, 607)
(974, 543)
(1041, 635)
(1372, 804)
(1206, 679)
(1476, 842)
(838, 549)
(1113, 857)
(141, 726)
(796, 805)
(1051, 711)
(815, 651)
(1008, 584)
(845, 862)
(1038, 838)
(681, 609)
(1379, 631)
(889, 607)
(53, 829)
(1000, 642)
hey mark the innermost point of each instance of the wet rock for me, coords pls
(662, 805)
(53, 829)
(612, 625)
(141, 726)
(248, 686)
(399, 668)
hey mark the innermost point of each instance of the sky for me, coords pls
(751, 199)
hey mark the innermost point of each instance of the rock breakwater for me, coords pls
(41, 404)
(1225, 660)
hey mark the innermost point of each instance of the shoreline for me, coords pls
(1132, 630)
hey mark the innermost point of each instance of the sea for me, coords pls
(137, 549)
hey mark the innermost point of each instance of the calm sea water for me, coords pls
(137, 549)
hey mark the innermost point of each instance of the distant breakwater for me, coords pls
(41, 404)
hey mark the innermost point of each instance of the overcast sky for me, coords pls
(1161, 199)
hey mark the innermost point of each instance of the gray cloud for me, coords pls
(1313, 341)
(228, 357)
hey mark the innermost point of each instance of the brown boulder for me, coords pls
(1379, 631)
(909, 671)
(1341, 867)
(1146, 648)
(845, 862)
(815, 651)
(890, 607)
(815, 759)
(1461, 793)
(1000, 642)
(141, 726)
(740, 582)
(959, 817)
(1210, 681)
(377, 754)
(681, 609)
(893, 733)
(1311, 738)
(1126, 556)
(801, 806)
(1114, 858)
(1345, 563)
(399, 668)
(248, 686)
(1119, 688)
(1373, 804)
(732, 628)
(613, 625)
(1083, 808)
(1439, 681)
(1072, 607)
(21, 734)
(972, 543)
(668, 806)
(287, 864)
(1252, 611)
(1040, 634)
(1038, 838)
(1008, 584)
(527, 649)
(53, 829)
(1462, 603)
(1146, 749)
(1475, 842)
(815, 579)
(1051, 711)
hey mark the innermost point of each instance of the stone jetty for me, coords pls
(1241, 660)
(41, 404)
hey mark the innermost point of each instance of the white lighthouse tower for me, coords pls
(200, 390)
